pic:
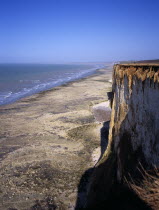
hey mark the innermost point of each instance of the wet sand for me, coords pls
(46, 144)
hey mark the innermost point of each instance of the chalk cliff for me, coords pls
(134, 130)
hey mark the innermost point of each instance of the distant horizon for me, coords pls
(79, 62)
(49, 63)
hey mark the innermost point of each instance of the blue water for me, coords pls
(20, 80)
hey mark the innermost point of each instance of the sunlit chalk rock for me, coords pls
(102, 111)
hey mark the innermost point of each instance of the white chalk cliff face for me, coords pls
(134, 126)
(133, 137)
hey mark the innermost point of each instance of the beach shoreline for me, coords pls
(46, 142)
(95, 72)
(26, 85)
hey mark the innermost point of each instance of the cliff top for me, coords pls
(140, 70)
(139, 64)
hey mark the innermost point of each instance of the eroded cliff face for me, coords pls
(134, 128)
(133, 134)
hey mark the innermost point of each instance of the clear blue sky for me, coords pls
(49, 31)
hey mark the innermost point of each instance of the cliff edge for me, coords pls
(131, 159)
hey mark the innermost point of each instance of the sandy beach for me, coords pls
(47, 142)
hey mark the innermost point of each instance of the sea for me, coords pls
(21, 80)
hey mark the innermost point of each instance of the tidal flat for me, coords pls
(46, 144)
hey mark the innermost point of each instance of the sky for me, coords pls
(59, 31)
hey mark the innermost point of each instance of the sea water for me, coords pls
(21, 80)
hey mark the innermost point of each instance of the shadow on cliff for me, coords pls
(104, 132)
(104, 191)
(84, 181)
